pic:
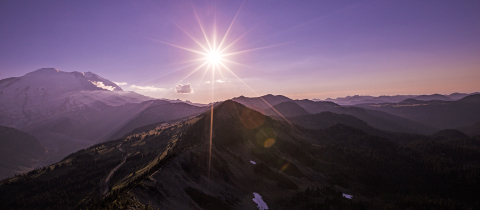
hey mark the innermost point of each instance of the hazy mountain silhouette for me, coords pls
(471, 98)
(432, 97)
(20, 152)
(357, 100)
(376, 119)
(457, 96)
(261, 103)
(435, 113)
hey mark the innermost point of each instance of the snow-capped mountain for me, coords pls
(69, 111)
(66, 111)
(48, 91)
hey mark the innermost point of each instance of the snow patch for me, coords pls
(253, 162)
(103, 86)
(120, 83)
(347, 196)
(259, 201)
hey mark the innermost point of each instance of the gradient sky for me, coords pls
(316, 49)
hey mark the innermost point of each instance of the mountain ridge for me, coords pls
(174, 166)
(366, 99)
(434, 113)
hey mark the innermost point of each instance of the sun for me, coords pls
(214, 54)
(214, 57)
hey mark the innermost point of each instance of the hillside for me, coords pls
(324, 120)
(286, 109)
(157, 112)
(173, 166)
(19, 152)
(472, 130)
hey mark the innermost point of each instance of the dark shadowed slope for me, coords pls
(175, 167)
(326, 119)
(158, 111)
(471, 130)
(314, 107)
(19, 152)
(286, 109)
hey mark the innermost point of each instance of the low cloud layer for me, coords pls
(219, 81)
(103, 86)
(120, 83)
(184, 89)
(146, 88)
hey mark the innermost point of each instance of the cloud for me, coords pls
(146, 88)
(120, 83)
(103, 86)
(184, 89)
(208, 82)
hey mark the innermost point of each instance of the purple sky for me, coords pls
(319, 49)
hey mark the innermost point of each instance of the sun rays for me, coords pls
(213, 55)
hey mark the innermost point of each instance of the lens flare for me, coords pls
(269, 142)
(213, 56)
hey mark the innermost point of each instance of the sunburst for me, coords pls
(214, 56)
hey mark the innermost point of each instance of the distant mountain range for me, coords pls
(286, 107)
(434, 113)
(356, 99)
